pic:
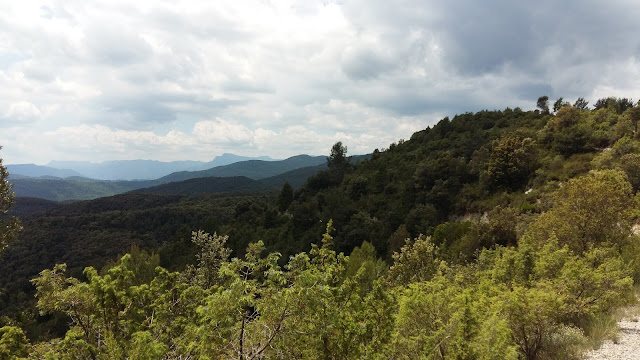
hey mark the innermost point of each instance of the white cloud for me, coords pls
(21, 112)
(221, 132)
(131, 79)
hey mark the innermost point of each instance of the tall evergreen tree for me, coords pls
(286, 197)
(9, 226)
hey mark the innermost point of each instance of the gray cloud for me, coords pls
(116, 46)
(541, 39)
(290, 77)
(365, 64)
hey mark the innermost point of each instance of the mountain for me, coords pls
(33, 170)
(483, 217)
(92, 232)
(73, 188)
(81, 188)
(271, 175)
(295, 178)
(253, 169)
(227, 158)
(142, 169)
(209, 185)
(126, 169)
(26, 206)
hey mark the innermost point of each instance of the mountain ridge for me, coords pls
(82, 188)
(140, 169)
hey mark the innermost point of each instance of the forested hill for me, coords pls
(253, 169)
(412, 186)
(494, 166)
(208, 185)
(515, 227)
(295, 170)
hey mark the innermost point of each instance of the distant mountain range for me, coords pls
(124, 169)
(32, 170)
(243, 176)
(253, 169)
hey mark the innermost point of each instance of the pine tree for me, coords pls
(9, 226)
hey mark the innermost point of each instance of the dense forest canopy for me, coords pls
(492, 235)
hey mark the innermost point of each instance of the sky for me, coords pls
(190, 80)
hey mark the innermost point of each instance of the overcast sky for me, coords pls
(189, 80)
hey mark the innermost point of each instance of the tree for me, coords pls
(618, 104)
(338, 160)
(418, 260)
(9, 226)
(624, 104)
(581, 104)
(591, 210)
(559, 104)
(603, 103)
(286, 197)
(543, 104)
(513, 158)
(13, 343)
(634, 117)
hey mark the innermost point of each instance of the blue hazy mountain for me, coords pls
(253, 169)
(33, 170)
(82, 188)
(143, 169)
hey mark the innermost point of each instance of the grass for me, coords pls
(605, 326)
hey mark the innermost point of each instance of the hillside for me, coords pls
(298, 177)
(78, 188)
(494, 235)
(32, 170)
(94, 232)
(253, 169)
(420, 185)
(295, 178)
(58, 189)
(208, 185)
(139, 169)
(26, 206)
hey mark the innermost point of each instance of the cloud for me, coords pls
(22, 112)
(365, 63)
(221, 132)
(286, 77)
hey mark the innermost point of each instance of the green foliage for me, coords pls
(446, 318)
(530, 301)
(9, 226)
(551, 295)
(513, 159)
(417, 261)
(543, 104)
(213, 253)
(595, 209)
(581, 104)
(572, 131)
(624, 155)
(13, 343)
(617, 104)
(364, 265)
(337, 160)
(559, 104)
(208, 185)
(285, 198)
(447, 208)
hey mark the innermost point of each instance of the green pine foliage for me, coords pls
(9, 225)
(495, 235)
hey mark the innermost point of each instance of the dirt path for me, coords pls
(628, 346)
